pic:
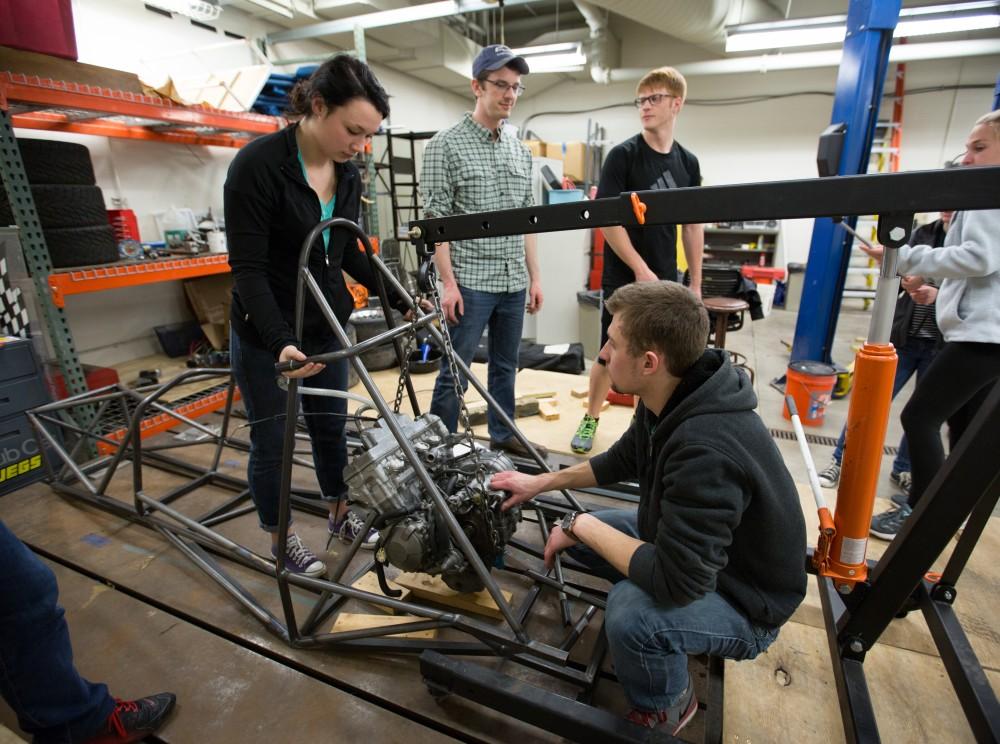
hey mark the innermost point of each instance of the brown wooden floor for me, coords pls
(226, 667)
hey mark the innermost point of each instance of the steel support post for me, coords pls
(36, 256)
(863, 67)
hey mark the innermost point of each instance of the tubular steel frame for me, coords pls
(198, 540)
(854, 623)
(967, 486)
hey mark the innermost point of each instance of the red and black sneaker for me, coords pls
(672, 720)
(133, 720)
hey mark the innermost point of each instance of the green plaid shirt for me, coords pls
(464, 171)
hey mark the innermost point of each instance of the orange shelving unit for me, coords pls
(43, 103)
(55, 105)
(131, 274)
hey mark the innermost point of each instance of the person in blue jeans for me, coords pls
(477, 166)
(279, 187)
(917, 340)
(38, 680)
(713, 559)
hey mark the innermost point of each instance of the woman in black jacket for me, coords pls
(278, 188)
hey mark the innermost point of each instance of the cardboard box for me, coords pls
(573, 155)
(210, 298)
(537, 148)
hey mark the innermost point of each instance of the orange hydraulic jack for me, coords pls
(843, 540)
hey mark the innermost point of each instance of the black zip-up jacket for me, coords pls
(718, 510)
(269, 211)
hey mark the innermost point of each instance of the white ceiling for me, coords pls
(648, 33)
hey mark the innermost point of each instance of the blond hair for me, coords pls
(993, 119)
(662, 316)
(665, 77)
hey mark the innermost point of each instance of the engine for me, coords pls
(415, 536)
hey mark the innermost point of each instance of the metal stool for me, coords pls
(723, 308)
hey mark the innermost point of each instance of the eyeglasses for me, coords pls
(505, 86)
(652, 100)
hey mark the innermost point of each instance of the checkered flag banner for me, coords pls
(13, 313)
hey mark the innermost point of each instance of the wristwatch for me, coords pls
(567, 524)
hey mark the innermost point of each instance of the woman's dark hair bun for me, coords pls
(338, 80)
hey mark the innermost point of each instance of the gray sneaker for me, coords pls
(583, 440)
(888, 524)
(299, 559)
(671, 720)
(830, 477)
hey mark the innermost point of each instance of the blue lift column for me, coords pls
(870, 24)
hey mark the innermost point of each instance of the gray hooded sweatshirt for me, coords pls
(968, 302)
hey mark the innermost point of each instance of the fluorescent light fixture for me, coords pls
(197, 10)
(563, 57)
(923, 21)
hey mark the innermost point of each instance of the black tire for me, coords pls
(49, 161)
(81, 246)
(62, 206)
(370, 322)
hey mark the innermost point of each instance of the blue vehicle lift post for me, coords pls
(870, 25)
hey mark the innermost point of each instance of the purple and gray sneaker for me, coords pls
(348, 528)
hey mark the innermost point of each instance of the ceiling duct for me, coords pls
(695, 21)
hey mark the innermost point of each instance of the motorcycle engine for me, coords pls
(415, 536)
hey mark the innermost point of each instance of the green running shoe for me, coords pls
(583, 440)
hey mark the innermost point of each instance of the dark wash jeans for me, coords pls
(503, 313)
(650, 643)
(253, 368)
(37, 677)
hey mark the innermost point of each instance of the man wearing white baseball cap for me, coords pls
(475, 166)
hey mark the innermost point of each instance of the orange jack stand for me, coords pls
(841, 555)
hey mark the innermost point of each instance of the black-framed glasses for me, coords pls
(504, 86)
(652, 99)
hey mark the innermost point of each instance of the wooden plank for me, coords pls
(433, 589)
(223, 691)
(548, 409)
(356, 621)
(369, 583)
(789, 695)
(131, 556)
(580, 392)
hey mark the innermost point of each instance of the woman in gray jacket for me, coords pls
(963, 373)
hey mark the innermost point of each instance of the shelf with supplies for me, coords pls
(742, 243)
(132, 273)
(44, 93)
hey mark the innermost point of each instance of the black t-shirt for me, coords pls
(635, 166)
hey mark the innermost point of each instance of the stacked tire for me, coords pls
(70, 206)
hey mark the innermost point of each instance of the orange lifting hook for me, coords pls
(639, 209)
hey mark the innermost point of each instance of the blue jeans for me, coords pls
(253, 368)
(37, 677)
(503, 313)
(913, 359)
(650, 642)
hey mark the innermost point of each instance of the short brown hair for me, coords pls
(662, 316)
(665, 77)
(993, 119)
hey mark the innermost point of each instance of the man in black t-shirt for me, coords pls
(650, 160)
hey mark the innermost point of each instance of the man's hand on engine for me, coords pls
(520, 486)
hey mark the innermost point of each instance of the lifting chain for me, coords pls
(449, 354)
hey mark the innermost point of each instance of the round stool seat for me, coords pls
(725, 304)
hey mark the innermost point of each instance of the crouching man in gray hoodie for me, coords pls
(713, 560)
